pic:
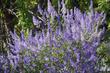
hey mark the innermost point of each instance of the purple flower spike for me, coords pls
(35, 20)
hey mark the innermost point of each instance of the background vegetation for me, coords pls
(17, 14)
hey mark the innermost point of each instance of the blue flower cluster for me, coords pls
(68, 45)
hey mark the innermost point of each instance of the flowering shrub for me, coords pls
(68, 45)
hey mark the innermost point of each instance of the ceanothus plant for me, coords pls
(68, 45)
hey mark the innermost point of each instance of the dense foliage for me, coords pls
(62, 37)
(70, 46)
